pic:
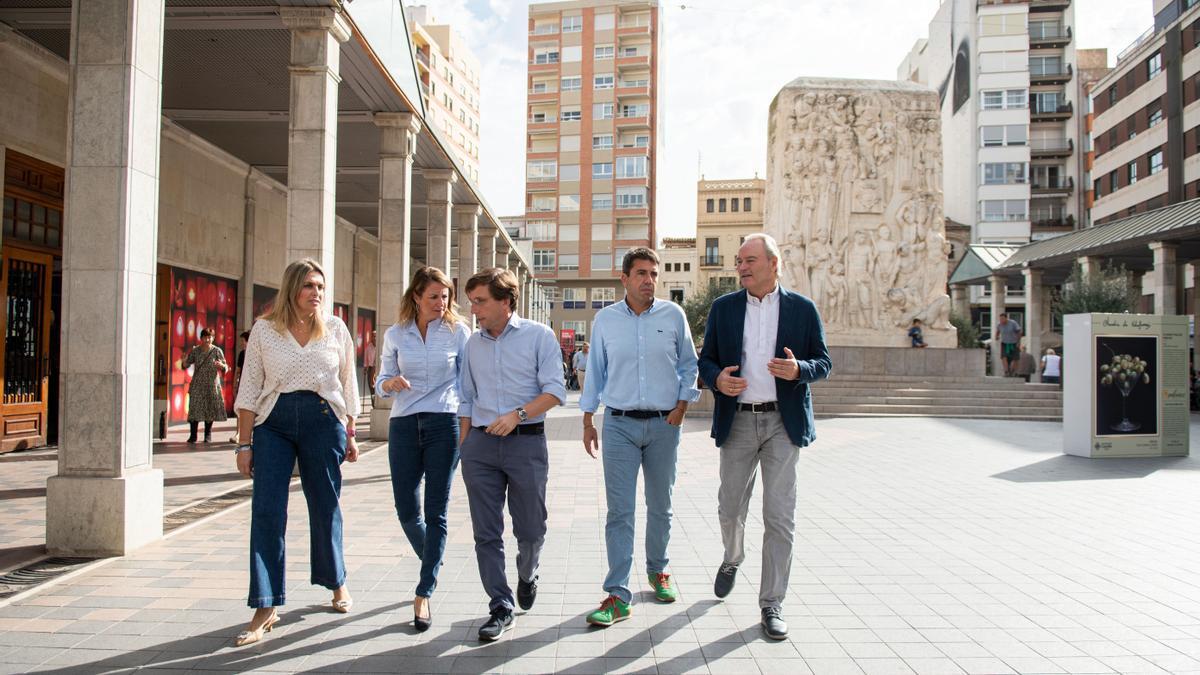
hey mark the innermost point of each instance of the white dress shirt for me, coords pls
(758, 347)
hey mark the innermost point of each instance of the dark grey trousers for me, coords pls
(495, 468)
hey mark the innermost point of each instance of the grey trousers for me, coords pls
(495, 468)
(754, 439)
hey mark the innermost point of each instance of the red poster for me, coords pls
(200, 301)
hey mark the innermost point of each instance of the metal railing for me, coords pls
(712, 261)
(1052, 145)
(1038, 109)
(1053, 183)
(1048, 71)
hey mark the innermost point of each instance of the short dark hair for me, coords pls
(638, 253)
(206, 332)
(1004, 314)
(916, 321)
(245, 335)
(502, 285)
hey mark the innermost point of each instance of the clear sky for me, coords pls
(723, 62)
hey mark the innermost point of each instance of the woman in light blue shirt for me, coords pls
(419, 367)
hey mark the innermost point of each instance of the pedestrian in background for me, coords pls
(206, 402)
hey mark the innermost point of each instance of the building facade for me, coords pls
(726, 211)
(449, 75)
(591, 145)
(1010, 124)
(678, 269)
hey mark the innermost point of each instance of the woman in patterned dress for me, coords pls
(205, 401)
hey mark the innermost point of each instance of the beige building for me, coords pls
(449, 76)
(678, 269)
(726, 211)
(591, 147)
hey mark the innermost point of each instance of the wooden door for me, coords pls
(25, 360)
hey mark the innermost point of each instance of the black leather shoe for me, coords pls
(422, 623)
(725, 578)
(526, 593)
(502, 620)
(773, 624)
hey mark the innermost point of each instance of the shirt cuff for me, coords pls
(689, 394)
(464, 409)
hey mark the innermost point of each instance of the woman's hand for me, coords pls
(351, 449)
(396, 384)
(245, 463)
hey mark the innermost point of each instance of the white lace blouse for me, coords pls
(277, 364)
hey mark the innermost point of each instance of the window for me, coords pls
(641, 141)
(574, 298)
(632, 167)
(627, 52)
(542, 203)
(571, 115)
(1131, 172)
(1112, 94)
(568, 233)
(1112, 181)
(710, 205)
(572, 24)
(572, 83)
(1001, 24)
(677, 295)
(569, 262)
(1048, 101)
(636, 110)
(601, 201)
(1045, 30)
(999, 210)
(1004, 99)
(569, 143)
(1153, 65)
(998, 135)
(602, 142)
(602, 170)
(745, 204)
(1003, 62)
(687, 267)
(572, 54)
(603, 297)
(602, 81)
(602, 111)
(568, 203)
(1156, 162)
(721, 206)
(541, 87)
(603, 52)
(631, 198)
(545, 55)
(1046, 65)
(544, 28)
(606, 21)
(602, 231)
(541, 230)
(580, 327)
(1005, 173)
(541, 170)
(543, 259)
(733, 204)
(568, 172)
(1155, 116)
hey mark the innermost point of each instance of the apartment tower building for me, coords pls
(1005, 70)
(590, 148)
(449, 75)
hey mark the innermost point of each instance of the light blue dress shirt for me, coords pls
(641, 361)
(430, 365)
(502, 374)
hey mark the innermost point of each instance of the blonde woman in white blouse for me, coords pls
(297, 402)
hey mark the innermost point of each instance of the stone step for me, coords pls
(843, 377)
(991, 412)
(1025, 418)
(992, 385)
(939, 400)
(823, 393)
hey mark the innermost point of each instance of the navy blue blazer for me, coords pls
(800, 330)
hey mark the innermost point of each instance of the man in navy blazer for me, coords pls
(762, 347)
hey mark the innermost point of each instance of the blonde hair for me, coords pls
(420, 282)
(283, 311)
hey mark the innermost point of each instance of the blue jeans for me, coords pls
(630, 444)
(301, 427)
(423, 445)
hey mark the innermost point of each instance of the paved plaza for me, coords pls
(923, 545)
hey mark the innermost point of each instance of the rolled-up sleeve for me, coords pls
(390, 362)
(550, 372)
(250, 387)
(686, 364)
(466, 384)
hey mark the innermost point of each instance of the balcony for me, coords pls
(1055, 218)
(1051, 74)
(422, 58)
(1049, 35)
(712, 261)
(1048, 5)
(544, 29)
(1050, 113)
(640, 61)
(1052, 185)
(1047, 148)
(633, 121)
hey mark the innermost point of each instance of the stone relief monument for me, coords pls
(854, 176)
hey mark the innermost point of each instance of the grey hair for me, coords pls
(768, 243)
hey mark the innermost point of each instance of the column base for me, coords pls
(103, 516)
(381, 418)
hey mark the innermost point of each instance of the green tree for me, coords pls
(1107, 291)
(968, 333)
(697, 306)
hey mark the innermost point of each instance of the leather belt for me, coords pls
(769, 406)
(639, 414)
(535, 429)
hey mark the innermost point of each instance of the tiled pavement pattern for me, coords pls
(923, 545)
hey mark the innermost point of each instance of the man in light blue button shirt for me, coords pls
(642, 367)
(512, 375)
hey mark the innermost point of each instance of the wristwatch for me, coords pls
(522, 414)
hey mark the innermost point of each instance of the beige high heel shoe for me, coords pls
(249, 637)
(342, 606)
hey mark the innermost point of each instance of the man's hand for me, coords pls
(396, 384)
(730, 385)
(785, 369)
(591, 441)
(504, 424)
(245, 463)
(675, 418)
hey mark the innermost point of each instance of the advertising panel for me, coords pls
(199, 301)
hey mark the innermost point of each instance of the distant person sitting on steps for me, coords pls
(915, 334)
(1025, 366)
(1051, 367)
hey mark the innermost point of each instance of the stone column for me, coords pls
(1089, 265)
(439, 189)
(960, 300)
(246, 284)
(1137, 283)
(502, 249)
(523, 275)
(466, 222)
(107, 499)
(1165, 277)
(1034, 306)
(317, 34)
(487, 246)
(397, 147)
(998, 300)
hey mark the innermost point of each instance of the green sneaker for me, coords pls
(664, 591)
(611, 611)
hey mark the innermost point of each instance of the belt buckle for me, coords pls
(758, 408)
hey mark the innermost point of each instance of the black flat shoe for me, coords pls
(726, 576)
(526, 593)
(422, 624)
(500, 621)
(773, 624)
